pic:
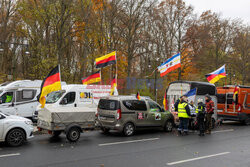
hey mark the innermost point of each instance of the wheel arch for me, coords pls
(12, 128)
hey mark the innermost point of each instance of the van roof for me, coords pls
(191, 82)
(21, 83)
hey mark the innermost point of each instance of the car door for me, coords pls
(137, 110)
(69, 100)
(8, 103)
(2, 117)
(156, 115)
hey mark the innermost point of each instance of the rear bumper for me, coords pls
(111, 125)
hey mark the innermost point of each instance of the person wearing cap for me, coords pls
(183, 114)
(209, 113)
(200, 112)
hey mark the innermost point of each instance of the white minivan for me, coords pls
(19, 97)
(75, 95)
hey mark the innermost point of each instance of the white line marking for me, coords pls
(221, 131)
(198, 158)
(9, 155)
(132, 141)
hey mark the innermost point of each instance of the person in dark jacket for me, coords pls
(200, 115)
(209, 113)
(176, 104)
(183, 114)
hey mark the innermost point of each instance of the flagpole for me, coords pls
(116, 69)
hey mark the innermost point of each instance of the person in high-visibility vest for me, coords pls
(200, 112)
(8, 98)
(183, 114)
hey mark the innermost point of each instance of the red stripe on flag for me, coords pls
(91, 77)
(171, 69)
(52, 79)
(111, 58)
(212, 76)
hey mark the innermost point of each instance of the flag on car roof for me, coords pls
(106, 60)
(191, 95)
(171, 64)
(138, 96)
(216, 75)
(165, 102)
(50, 84)
(96, 77)
(114, 87)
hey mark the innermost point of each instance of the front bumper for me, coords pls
(29, 132)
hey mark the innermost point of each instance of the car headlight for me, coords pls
(29, 122)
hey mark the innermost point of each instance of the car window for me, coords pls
(154, 107)
(7, 97)
(108, 104)
(2, 116)
(25, 95)
(138, 105)
(71, 96)
(54, 96)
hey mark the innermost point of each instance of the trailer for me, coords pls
(70, 121)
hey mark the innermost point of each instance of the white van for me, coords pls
(75, 95)
(19, 97)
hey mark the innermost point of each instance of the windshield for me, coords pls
(54, 96)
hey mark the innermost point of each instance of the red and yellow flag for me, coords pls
(113, 86)
(50, 84)
(96, 77)
(236, 91)
(165, 102)
(138, 96)
(106, 60)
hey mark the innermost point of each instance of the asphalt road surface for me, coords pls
(227, 146)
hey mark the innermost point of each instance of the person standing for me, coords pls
(200, 112)
(209, 113)
(183, 114)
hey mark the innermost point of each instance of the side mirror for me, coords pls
(64, 101)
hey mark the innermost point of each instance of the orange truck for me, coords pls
(233, 108)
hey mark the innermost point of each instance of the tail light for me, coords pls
(119, 114)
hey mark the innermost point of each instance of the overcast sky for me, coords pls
(227, 8)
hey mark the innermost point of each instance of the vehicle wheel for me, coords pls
(56, 133)
(105, 130)
(129, 129)
(247, 121)
(73, 134)
(15, 137)
(169, 126)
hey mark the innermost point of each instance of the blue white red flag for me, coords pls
(171, 64)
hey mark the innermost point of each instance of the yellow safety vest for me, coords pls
(198, 110)
(182, 113)
(8, 99)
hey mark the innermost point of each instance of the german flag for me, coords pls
(50, 84)
(113, 86)
(96, 77)
(106, 60)
(138, 96)
(165, 102)
(236, 91)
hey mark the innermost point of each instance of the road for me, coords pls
(227, 146)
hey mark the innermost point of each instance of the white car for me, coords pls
(15, 130)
